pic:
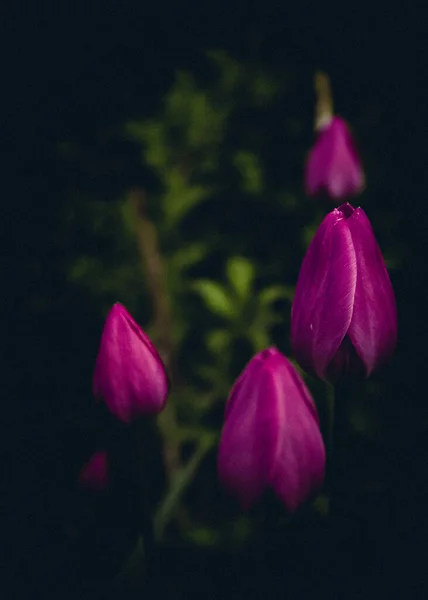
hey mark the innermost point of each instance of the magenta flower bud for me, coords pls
(333, 167)
(94, 475)
(129, 373)
(343, 318)
(271, 437)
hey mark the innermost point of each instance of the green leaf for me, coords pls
(209, 373)
(248, 165)
(207, 123)
(229, 68)
(203, 536)
(181, 196)
(192, 434)
(194, 403)
(218, 341)
(264, 88)
(240, 273)
(136, 130)
(152, 135)
(259, 338)
(275, 292)
(266, 318)
(178, 100)
(188, 256)
(216, 298)
(84, 267)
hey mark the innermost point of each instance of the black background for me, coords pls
(70, 70)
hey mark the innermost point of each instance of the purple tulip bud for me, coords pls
(333, 167)
(94, 475)
(343, 318)
(129, 373)
(271, 437)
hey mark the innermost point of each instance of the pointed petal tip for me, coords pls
(346, 209)
(129, 373)
(118, 309)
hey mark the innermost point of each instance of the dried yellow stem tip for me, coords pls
(324, 100)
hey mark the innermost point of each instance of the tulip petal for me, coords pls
(323, 302)
(373, 327)
(333, 165)
(299, 465)
(246, 446)
(129, 374)
(271, 435)
(94, 475)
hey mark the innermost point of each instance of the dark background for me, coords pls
(70, 71)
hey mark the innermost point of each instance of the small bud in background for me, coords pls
(343, 318)
(333, 167)
(129, 373)
(271, 437)
(94, 475)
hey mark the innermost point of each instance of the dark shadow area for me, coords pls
(72, 77)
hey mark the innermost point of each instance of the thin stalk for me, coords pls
(324, 100)
(154, 269)
(153, 266)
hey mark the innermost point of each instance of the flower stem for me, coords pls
(324, 100)
(153, 266)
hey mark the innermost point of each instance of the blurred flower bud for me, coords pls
(271, 437)
(333, 167)
(343, 318)
(129, 373)
(94, 475)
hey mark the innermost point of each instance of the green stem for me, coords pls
(178, 486)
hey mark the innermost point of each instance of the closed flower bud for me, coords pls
(271, 437)
(129, 373)
(333, 167)
(94, 475)
(343, 318)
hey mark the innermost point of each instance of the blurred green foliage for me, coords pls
(232, 226)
